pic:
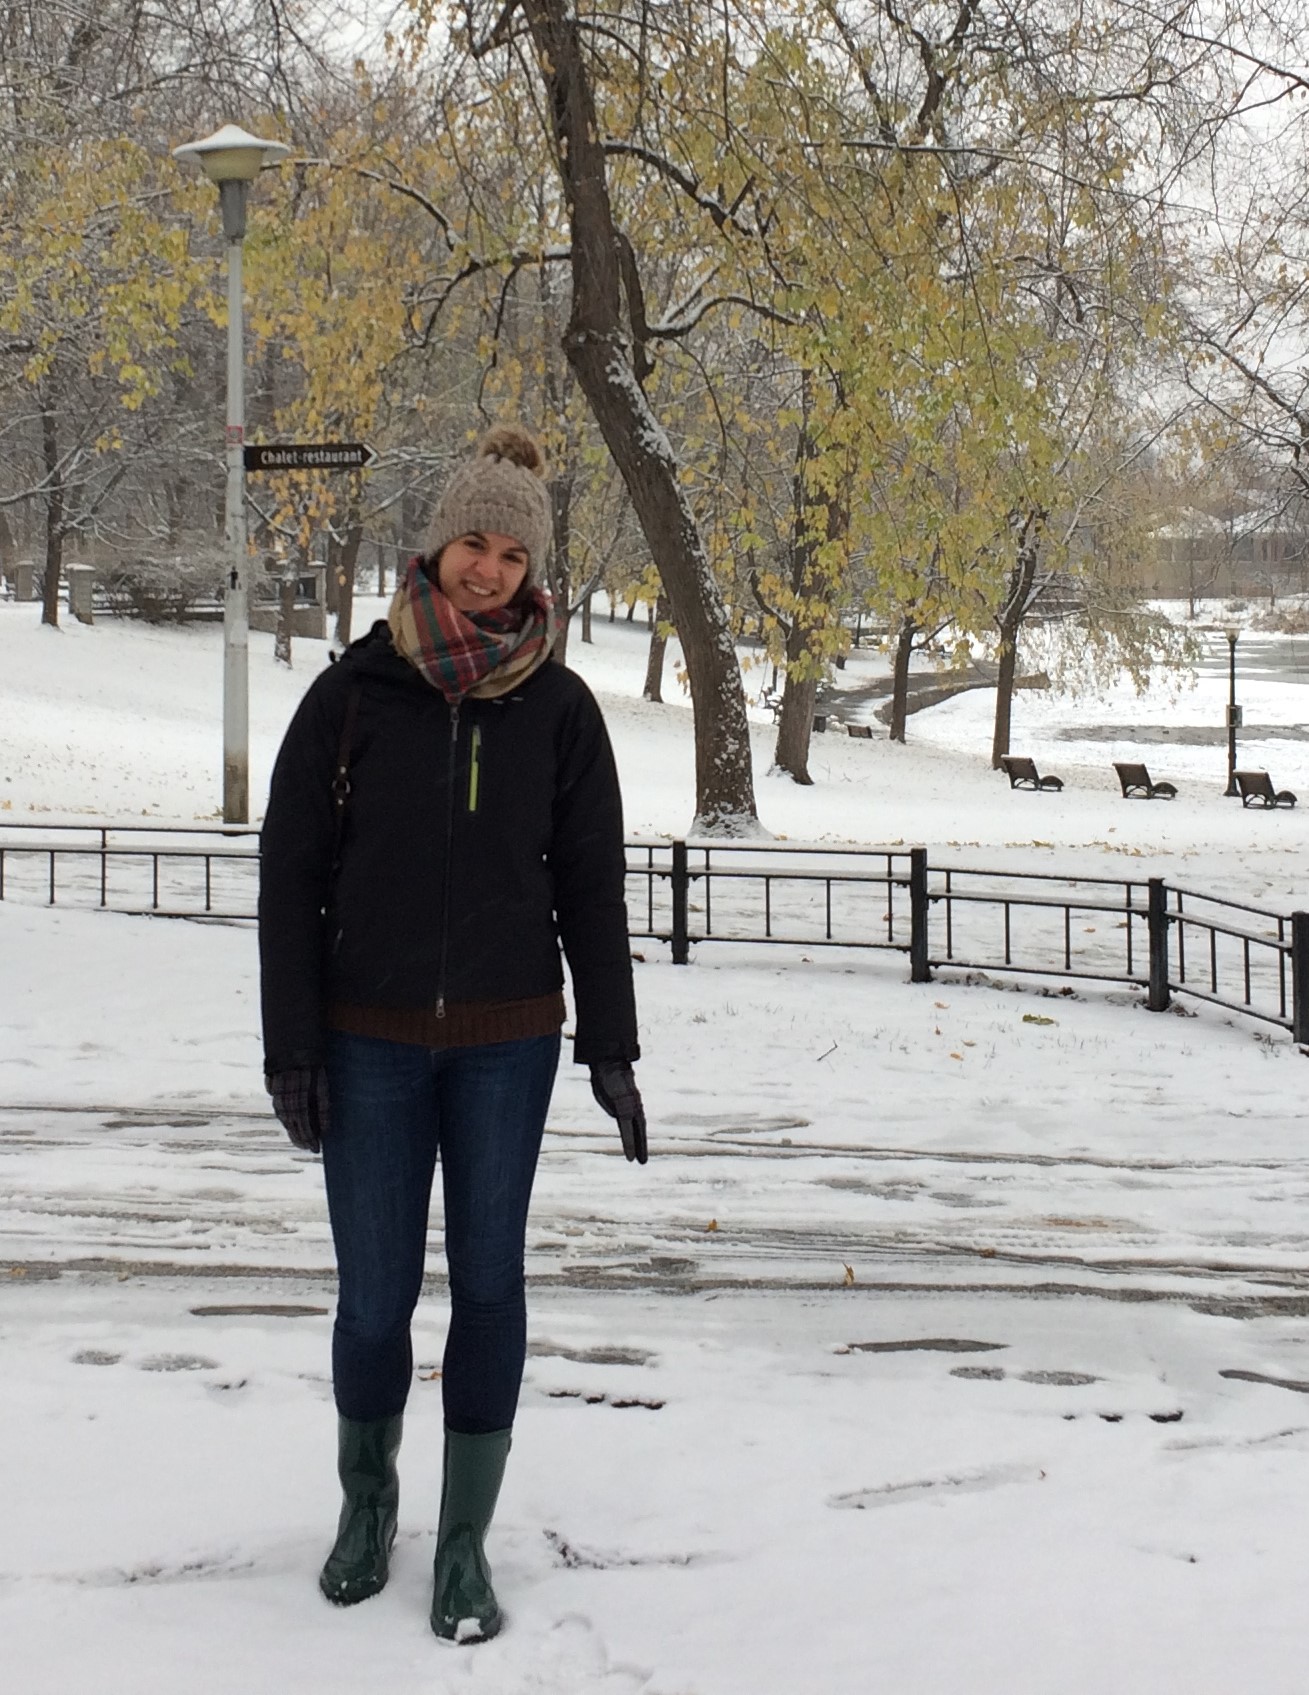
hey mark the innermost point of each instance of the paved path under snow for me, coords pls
(159, 1191)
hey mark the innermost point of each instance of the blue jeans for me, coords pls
(393, 1106)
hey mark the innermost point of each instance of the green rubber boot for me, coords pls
(464, 1607)
(359, 1563)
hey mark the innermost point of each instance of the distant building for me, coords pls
(1262, 552)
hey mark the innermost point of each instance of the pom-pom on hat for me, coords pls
(500, 491)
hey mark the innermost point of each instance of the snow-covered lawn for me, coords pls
(733, 1473)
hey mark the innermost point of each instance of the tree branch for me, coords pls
(721, 215)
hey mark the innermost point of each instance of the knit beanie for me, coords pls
(500, 491)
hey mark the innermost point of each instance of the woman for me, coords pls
(444, 812)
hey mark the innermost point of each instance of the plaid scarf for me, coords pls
(483, 654)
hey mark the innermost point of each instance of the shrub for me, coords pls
(164, 591)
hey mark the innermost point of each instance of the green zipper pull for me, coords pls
(475, 768)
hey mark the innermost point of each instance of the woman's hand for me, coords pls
(614, 1088)
(300, 1104)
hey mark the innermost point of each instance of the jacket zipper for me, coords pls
(449, 857)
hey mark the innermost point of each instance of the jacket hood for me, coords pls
(373, 655)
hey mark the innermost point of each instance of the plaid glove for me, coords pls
(614, 1088)
(300, 1104)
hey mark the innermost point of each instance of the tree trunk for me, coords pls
(795, 726)
(54, 517)
(560, 568)
(1009, 624)
(795, 721)
(410, 540)
(599, 351)
(810, 521)
(654, 665)
(332, 582)
(904, 647)
(586, 619)
(285, 615)
(347, 561)
(1004, 695)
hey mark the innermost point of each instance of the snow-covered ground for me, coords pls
(747, 1461)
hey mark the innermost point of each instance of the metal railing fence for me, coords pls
(154, 870)
(1163, 939)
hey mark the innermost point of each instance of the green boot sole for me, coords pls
(360, 1561)
(464, 1607)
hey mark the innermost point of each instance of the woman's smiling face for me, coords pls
(481, 572)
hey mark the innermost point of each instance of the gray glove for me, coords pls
(614, 1088)
(300, 1104)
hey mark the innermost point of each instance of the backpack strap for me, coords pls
(341, 774)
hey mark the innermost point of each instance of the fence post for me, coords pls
(1300, 978)
(1157, 922)
(681, 891)
(919, 969)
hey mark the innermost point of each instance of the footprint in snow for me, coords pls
(952, 1483)
(567, 1657)
(1296, 1383)
(198, 1568)
(576, 1558)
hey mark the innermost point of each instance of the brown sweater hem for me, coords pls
(466, 1024)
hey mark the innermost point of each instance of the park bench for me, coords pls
(1022, 774)
(1256, 789)
(1136, 783)
(863, 731)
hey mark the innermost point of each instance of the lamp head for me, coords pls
(231, 154)
(1232, 632)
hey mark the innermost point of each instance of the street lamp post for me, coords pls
(1233, 710)
(233, 158)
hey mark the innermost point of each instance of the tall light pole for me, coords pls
(1233, 710)
(233, 158)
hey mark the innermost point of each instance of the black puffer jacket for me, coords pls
(474, 842)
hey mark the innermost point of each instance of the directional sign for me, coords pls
(309, 456)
